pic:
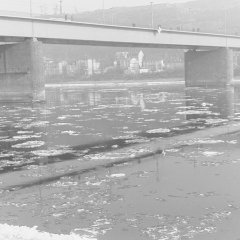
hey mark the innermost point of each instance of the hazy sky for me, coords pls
(73, 5)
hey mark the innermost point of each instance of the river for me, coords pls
(189, 191)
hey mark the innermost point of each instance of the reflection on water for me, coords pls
(176, 195)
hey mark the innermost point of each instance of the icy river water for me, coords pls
(186, 192)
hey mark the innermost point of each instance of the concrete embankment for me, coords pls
(44, 174)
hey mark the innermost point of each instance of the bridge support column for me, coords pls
(21, 72)
(208, 68)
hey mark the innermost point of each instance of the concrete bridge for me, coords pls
(208, 59)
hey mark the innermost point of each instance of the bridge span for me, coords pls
(208, 59)
(17, 29)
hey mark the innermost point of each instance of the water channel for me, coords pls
(189, 191)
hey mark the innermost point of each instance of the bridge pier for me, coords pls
(208, 68)
(21, 72)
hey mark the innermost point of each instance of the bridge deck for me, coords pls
(16, 29)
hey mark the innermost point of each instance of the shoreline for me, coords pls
(119, 83)
(115, 83)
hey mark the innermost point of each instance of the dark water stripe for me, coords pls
(80, 171)
(155, 147)
(106, 146)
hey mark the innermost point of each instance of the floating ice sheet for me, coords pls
(9, 232)
(29, 144)
(159, 130)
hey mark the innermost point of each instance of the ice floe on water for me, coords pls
(8, 140)
(9, 232)
(29, 144)
(70, 133)
(208, 141)
(62, 124)
(24, 137)
(184, 227)
(173, 150)
(24, 132)
(159, 130)
(3, 137)
(117, 175)
(215, 121)
(37, 124)
(51, 152)
(232, 142)
(203, 141)
(212, 153)
(60, 184)
(7, 155)
(194, 112)
(151, 110)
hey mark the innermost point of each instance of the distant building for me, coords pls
(140, 58)
(236, 59)
(93, 67)
(134, 66)
(122, 59)
(154, 66)
(53, 68)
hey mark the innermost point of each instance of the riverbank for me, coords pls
(117, 77)
(120, 83)
(116, 83)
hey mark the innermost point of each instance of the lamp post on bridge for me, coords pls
(31, 16)
(227, 23)
(30, 8)
(152, 14)
(61, 7)
(103, 11)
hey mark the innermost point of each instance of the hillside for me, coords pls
(207, 15)
(203, 15)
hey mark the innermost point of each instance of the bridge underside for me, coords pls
(209, 68)
(22, 73)
(9, 39)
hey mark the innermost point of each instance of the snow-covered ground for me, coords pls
(9, 232)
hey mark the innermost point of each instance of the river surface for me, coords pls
(187, 192)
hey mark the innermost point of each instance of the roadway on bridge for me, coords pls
(17, 29)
